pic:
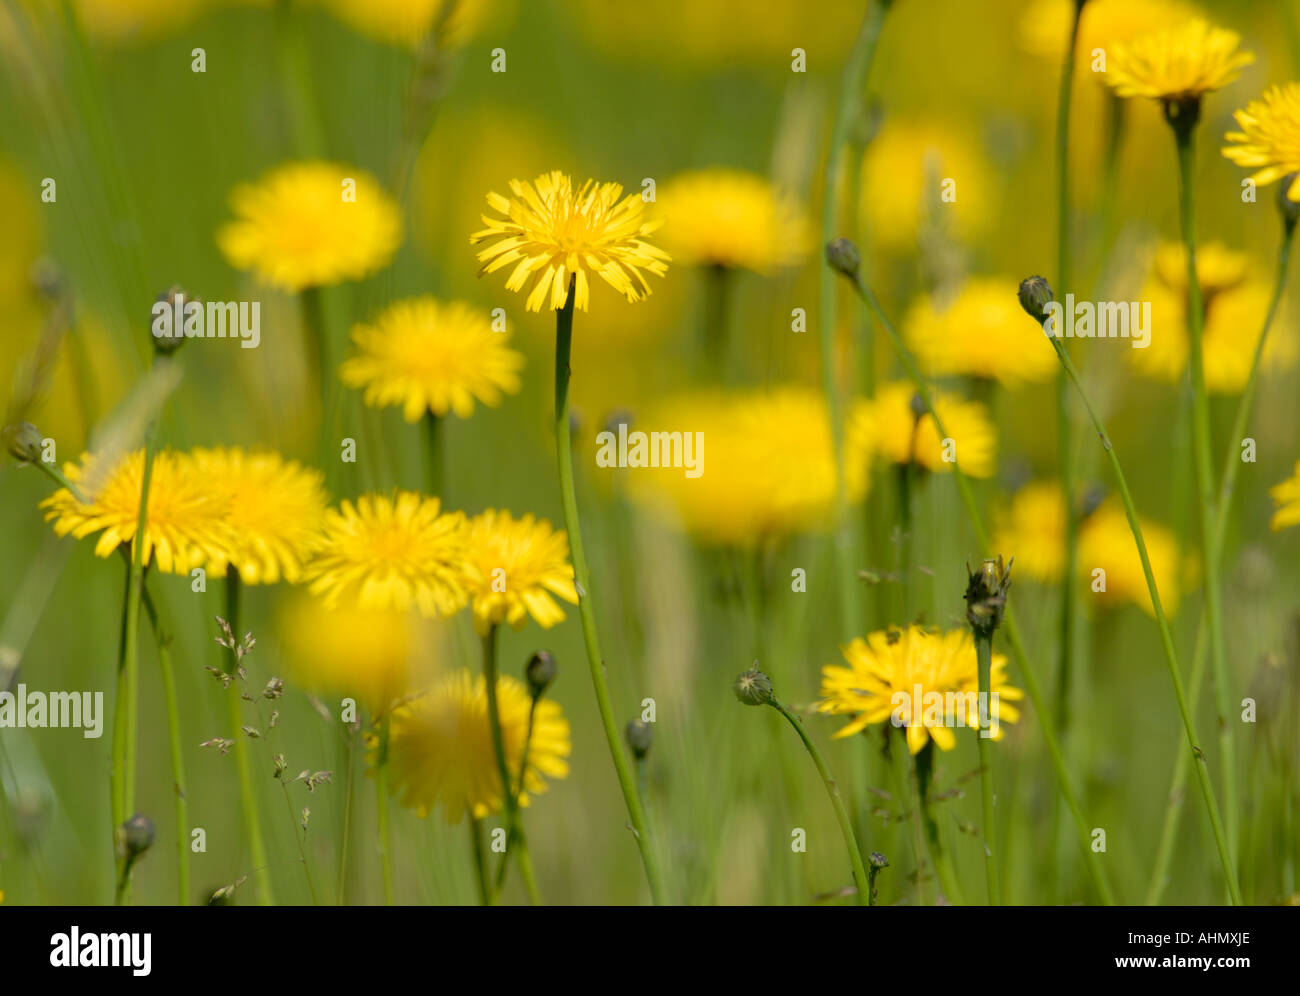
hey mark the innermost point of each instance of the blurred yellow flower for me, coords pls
(888, 426)
(431, 357)
(1106, 543)
(1218, 268)
(1286, 496)
(392, 553)
(440, 746)
(185, 523)
(406, 22)
(904, 172)
(767, 466)
(552, 232)
(1177, 63)
(1033, 531)
(1045, 25)
(727, 217)
(900, 675)
(1269, 140)
(521, 564)
(981, 332)
(126, 21)
(310, 224)
(274, 508)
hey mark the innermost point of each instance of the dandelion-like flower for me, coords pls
(551, 232)
(406, 22)
(1033, 531)
(890, 670)
(1286, 496)
(310, 224)
(434, 357)
(274, 508)
(1269, 140)
(1045, 25)
(1218, 268)
(440, 748)
(1106, 543)
(980, 333)
(185, 521)
(727, 217)
(889, 427)
(1180, 63)
(391, 553)
(521, 563)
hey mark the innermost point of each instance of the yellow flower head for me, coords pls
(1106, 542)
(980, 333)
(406, 22)
(428, 356)
(521, 564)
(726, 217)
(1033, 531)
(311, 224)
(1269, 140)
(185, 523)
(1102, 24)
(888, 426)
(1218, 268)
(274, 508)
(440, 746)
(1179, 63)
(551, 233)
(765, 469)
(392, 553)
(1286, 496)
(900, 676)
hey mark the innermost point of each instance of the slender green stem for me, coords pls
(384, 827)
(345, 835)
(900, 770)
(510, 801)
(586, 610)
(984, 663)
(1166, 637)
(517, 789)
(1201, 444)
(163, 638)
(299, 834)
(904, 472)
(837, 802)
(922, 769)
(434, 460)
(314, 334)
(715, 341)
(480, 860)
(58, 477)
(855, 75)
(1034, 690)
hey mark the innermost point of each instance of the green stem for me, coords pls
(922, 763)
(518, 788)
(384, 828)
(586, 610)
(163, 638)
(984, 662)
(346, 833)
(434, 461)
(299, 835)
(480, 860)
(837, 802)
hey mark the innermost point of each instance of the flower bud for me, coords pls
(136, 835)
(1289, 209)
(843, 256)
(540, 671)
(23, 442)
(639, 737)
(1035, 296)
(877, 860)
(986, 595)
(171, 340)
(754, 688)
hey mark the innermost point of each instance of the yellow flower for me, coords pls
(274, 508)
(900, 675)
(1045, 25)
(1033, 531)
(392, 553)
(766, 466)
(406, 22)
(430, 356)
(1179, 63)
(521, 564)
(1106, 542)
(982, 332)
(311, 224)
(726, 217)
(1218, 268)
(134, 21)
(889, 428)
(552, 232)
(184, 526)
(1269, 140)
(1286, 496)
(440, 746)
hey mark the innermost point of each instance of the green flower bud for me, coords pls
(843, 256)
(754, 688)
(23, 442)
(167, 344)
(136, 836)
(1035, 296)
(540, 671)
(986, 595)
(639, 737)
(1290, 209)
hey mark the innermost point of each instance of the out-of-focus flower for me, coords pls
(274, 508)
(1033, 531)
(1269, 140)
(1286, 496)
(889, 428)
(1106, 542)
(521, 564)
(889, 669)
(310, 224)
(121, 22)
(406, 22)
(727, 217)
(551, 232)
(982, 332)
(440, 748)
(1045, 25)
(1182, 62)
(1218, 268)
(431, 357)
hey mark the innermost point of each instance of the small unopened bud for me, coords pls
(877, 860)
(23, 442)
(173, 337)
(754, 688)
(1093, 495)
(918, 406)
(540, 671)
(137, 836)
(986, 595)
(639, 737)
(1035, 296)
(616, 418)
(1290, 209)
(47, 278)
(843, 256)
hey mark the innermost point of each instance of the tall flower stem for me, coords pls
(480, 860)
(346, 833)
(510, 801)
(586, 610)
(922, 768)
(434, 438)
(837, 803)
(247, 795)
(1032, 687)
(1166, 637)
(1184, 125)
(518, 789)
(384, 827)
(984, 667)
(1227, 487)
(855, 74)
